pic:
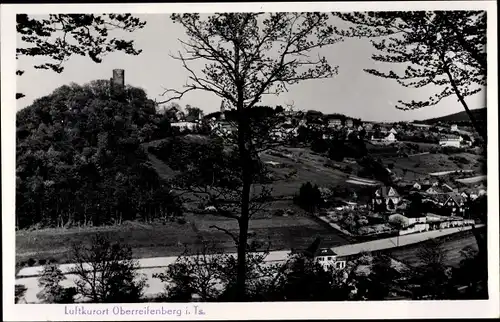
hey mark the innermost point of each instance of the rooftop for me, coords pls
(325, 252)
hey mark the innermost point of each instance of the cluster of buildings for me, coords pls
(330, 126)
(449, 206)
(181, 121)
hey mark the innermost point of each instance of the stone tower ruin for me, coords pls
(117, 82)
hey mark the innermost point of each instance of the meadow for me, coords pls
(451, 245)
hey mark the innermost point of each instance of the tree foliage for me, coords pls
(59, 36)
(80, 160)
(443, 49)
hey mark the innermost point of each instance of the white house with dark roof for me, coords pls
(326, 257)
(390, 138)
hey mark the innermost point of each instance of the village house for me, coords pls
(393, 131)
(423, 186)
(334, 123)
(452, 204)
(436, 189)
(454, 128)
(185, 125)
(367, 126)
(349, 123)
(222, 127)
(450, 140)
(386, 198)
(383, 137)
(328, 258)
(390, 138)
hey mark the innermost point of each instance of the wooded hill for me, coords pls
(79, 159)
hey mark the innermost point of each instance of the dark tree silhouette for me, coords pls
(106, 272)
(445, 49)
(251, 55)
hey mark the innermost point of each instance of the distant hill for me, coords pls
(480, 115)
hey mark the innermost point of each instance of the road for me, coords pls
(149, 266)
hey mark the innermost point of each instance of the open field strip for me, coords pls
(472, 179)
(151, 266)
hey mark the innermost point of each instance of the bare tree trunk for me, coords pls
(245, 204)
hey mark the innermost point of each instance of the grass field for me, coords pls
(158, 240)
(420, 166)
(452, 245)
(309, 167)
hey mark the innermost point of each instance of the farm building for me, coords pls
(451, 140)
(408, 220)
(415, 228)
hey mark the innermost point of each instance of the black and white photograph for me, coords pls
(262, 156)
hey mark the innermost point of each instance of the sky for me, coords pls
(352, 91)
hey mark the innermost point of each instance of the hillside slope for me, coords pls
(480, 115)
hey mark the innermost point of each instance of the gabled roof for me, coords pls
(449, 137)
(442, 198)
(457, 198)
(424, 187)
(384, 192)
(325, 252)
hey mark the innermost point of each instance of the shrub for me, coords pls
(31, 262)
(309, 197)
(42, 261)
(181, 221)
(279, 212)
(51, 290)
(20, 291)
